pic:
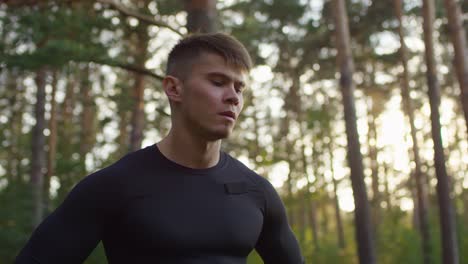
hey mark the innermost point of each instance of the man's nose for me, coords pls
(232, 96)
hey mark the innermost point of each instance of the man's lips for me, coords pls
(229, 114)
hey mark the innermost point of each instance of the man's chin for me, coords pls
(218, 135)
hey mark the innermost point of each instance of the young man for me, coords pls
(181, 200)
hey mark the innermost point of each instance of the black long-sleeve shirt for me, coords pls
(148, 209)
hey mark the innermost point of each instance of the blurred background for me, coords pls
(356, 111)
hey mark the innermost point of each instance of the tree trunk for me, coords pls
(364, 233)
(421, 202)
(313, 222)
(201, 15)
(373, 153)
(87, 133)
(15, 94)
(458, 37)
(289, 195)
(138, 112)
(339, 221)
(387, 189)
(66, 139)
(122, 138)
(52, 150)
(446, 210)
(309, 201)
(38, 151)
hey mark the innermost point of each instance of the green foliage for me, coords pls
(52, 36)
(397, 241)
(276, 9)
(59, 33)
(169, 7)
(15, 219)
(254, 258)
(98, 256)
(329, 252)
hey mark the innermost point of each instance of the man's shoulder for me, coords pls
(122, 169)
(251, 174)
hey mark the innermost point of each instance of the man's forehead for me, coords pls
(213, 64)
(236, 77)
(211, 58)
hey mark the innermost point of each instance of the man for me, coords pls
(181, 200)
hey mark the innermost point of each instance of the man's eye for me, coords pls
(217, 83)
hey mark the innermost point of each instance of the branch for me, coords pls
(128, 67)
(124, 10)
(136, 69)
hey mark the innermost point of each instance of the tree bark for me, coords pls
(458, 38)
(421, 202)
(446, 210)
(373, 112)
(309, 200)
(201, 15)
(52, 149)
(15, 94)
(364, 233)
(138, 111)
(38, 148)
(66, 138)
(289, 195)
(87, 132)
(387, 189)
(339, 221)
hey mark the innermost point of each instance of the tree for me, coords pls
(38, 159)
(52, 141)
(139, 40)
(201, 15)
(364, 234)
(446, 210)
(458, 37)
(408, 109)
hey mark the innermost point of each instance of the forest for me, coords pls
(355, 110)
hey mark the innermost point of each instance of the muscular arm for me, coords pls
(277, 243)
(72, 231)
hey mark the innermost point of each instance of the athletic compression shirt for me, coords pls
(148, 209)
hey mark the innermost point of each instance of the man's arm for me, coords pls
(71, 232)
(277, 243)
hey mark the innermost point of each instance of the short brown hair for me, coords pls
(189, 48)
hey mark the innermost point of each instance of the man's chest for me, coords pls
(185, 216)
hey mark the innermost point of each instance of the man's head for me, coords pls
(183, 55)
(205, 78)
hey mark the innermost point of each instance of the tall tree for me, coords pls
(408, 109)
(458, 37)
(15, 94)
(446, 210)
(201, 15)
(139, 42)
(364, 233)
(38, 158)
(87, 134)
(52, 141)
(339, 221)
(376, 102)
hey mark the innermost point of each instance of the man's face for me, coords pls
(212, 97)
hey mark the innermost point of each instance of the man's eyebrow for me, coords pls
(225, 76)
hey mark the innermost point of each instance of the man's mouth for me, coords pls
(229, 114)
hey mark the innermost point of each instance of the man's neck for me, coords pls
(189, 151)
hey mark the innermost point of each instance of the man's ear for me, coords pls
(173, 88)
